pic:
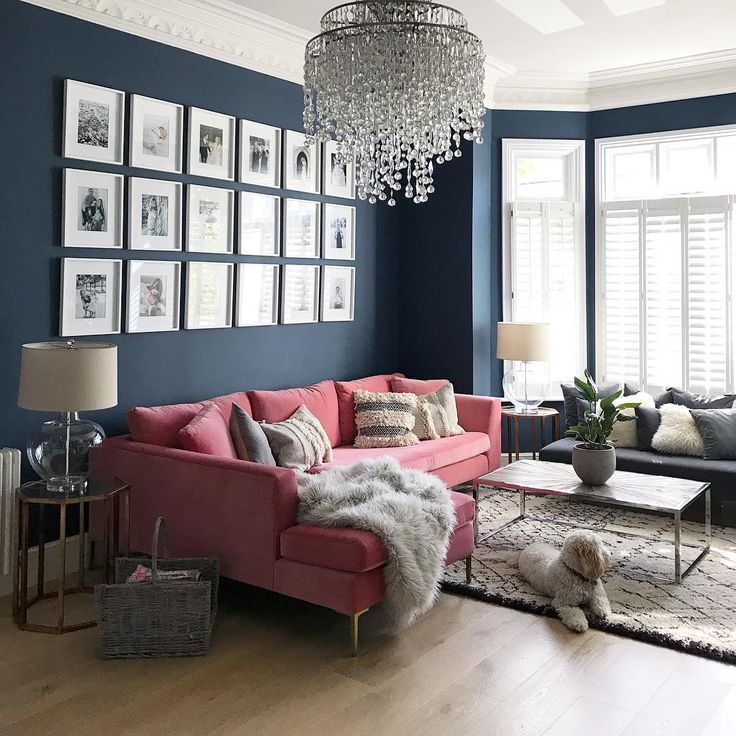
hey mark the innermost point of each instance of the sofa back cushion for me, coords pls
(320, 399)
(225, 403)
(160, 425)
(401, 385)
(208, 433)
(346, 402)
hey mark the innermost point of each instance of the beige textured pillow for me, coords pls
(443, 411)
(624, 433)
(385, 419)
(299, 442)
(677, 434)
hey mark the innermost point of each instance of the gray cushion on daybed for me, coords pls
(571, 394)
(717, 427)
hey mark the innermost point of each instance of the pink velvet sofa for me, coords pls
(246, 513)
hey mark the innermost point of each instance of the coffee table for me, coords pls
(636, 491)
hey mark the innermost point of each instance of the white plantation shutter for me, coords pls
(527, 261)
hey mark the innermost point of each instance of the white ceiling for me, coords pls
(573, 36)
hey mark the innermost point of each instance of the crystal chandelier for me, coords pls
(398, 85)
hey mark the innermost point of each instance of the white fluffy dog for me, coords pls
(571, 577)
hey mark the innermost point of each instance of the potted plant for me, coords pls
(594, 458)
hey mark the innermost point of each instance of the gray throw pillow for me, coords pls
(664, 398)
(249, 438)
(647, 424)
(571, 393)
(299, 442)
(436, 415)
(699, 401)
(717, 427)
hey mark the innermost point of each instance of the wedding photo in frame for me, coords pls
(301, 163)
(338, 232)
(301, 228)
(92, 209)
(260, 154)
(210, 219)
(260, 224)
(154, 214)
(338, 294)
(94, 122)
(338, 173)
(90, 298)
(300, 294)
(153, 290)
(257, 295)
(211, 144)
(208, 302)
(156, 134)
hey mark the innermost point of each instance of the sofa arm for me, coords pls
(232, 509)
(482, 414)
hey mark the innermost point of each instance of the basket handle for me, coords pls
(159, 528)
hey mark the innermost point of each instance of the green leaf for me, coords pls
(632, 405)
(589, 393)
(608, 400)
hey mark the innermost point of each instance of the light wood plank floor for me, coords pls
(279, 667)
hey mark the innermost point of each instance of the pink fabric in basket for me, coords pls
(208, 433)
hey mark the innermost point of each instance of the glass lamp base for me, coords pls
(67, 483)
(526, 388)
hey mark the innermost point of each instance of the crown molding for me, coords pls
(232, 33)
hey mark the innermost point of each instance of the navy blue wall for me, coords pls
(39, 50)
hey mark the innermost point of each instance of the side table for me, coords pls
(514, 417)
(113, 494)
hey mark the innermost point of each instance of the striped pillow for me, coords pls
(385, 419)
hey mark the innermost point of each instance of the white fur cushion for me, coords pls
(624, 433)
(677, 433)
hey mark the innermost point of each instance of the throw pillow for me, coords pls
(249, 438)
(717, 427)
(443, 411)
(624, 433)
(385, 419)
(208, 433)
(299, 442)
(700, 401)
(677, 433)
(647, 424)
(403, 385)
(571, 393)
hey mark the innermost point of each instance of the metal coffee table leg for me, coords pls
(679, 575)
(507, 524)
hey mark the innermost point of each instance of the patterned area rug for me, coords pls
(698, 616)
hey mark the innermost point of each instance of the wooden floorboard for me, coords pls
(279, 666)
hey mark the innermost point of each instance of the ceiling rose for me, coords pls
(398, 85)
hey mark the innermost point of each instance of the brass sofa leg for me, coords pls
(354, 632)
(468, 569)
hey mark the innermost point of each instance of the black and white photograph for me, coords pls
(339, 172)
(211, 144)
(260, 154)
(153, 296)
(338, 232)
(301, 163)
(156, 134)
(93, 122)
(92, 210)
(154, 214)
(301, 228)
(209, 295)
(260, 224)
(300, 294)
(338, 293)
(256, 302)
(90, 296)
(210, 219)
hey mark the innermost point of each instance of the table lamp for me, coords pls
(67, 377)
(528, 343)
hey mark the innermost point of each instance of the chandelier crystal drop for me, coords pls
(398, 85)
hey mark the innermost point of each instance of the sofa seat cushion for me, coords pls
(426, 456)
(351, 550)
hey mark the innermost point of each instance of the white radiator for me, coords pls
(9, 481)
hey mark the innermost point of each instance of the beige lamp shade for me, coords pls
(524, 341)
(68, 376)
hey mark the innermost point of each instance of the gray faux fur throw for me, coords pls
(411, 512)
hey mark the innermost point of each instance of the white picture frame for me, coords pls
(90, 296)
(208, 302)
(338, 177)
(211, 144)
(156, 134)
(301, 228)
(338, 232)
(260, 154)
(260, 224)
(92, 209)
(300, 294)
(338, 294)
(154, 214)
(257, 295)
(210, 219)
(302, 165)
(94, 122)
(153, 295)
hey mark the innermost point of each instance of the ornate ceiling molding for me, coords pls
(224, 30)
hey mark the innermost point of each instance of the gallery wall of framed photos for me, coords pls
(261, 198)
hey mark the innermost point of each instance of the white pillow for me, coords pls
(624, 433)
(677, 433)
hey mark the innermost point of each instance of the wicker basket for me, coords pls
(157, 619)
